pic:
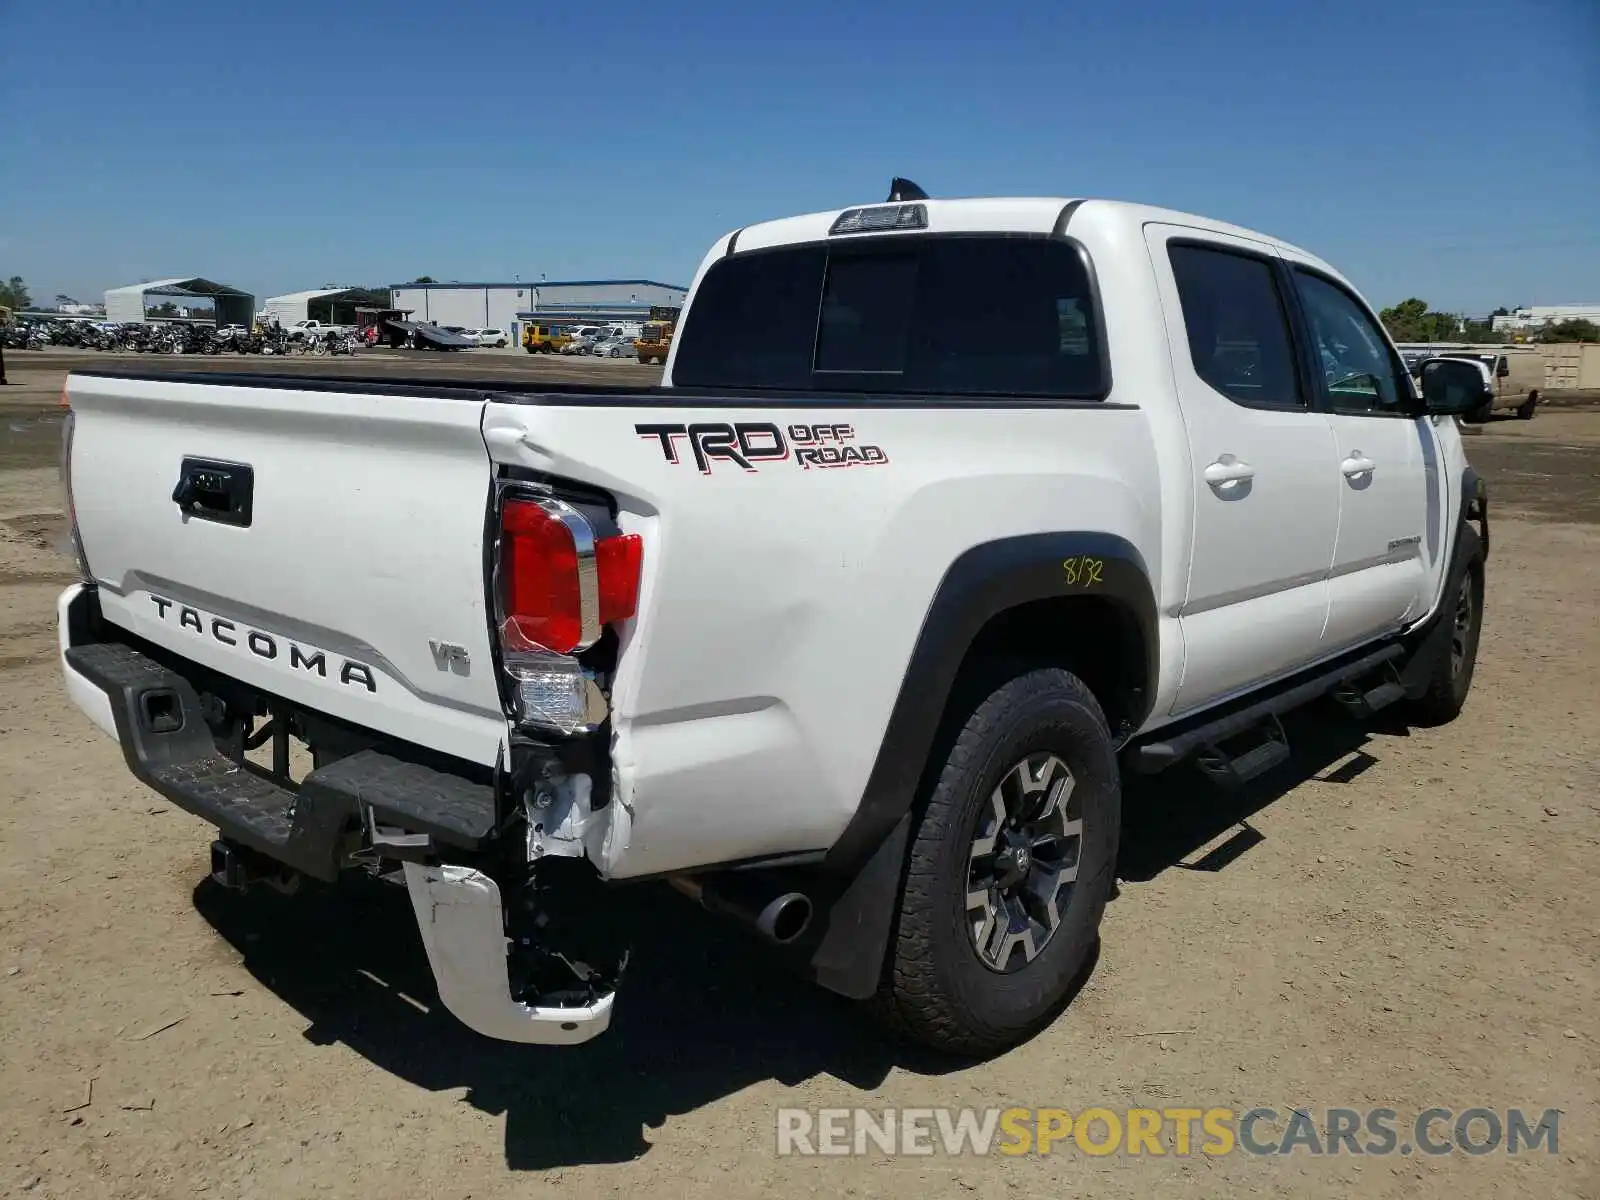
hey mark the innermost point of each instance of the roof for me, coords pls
(191, 285)
(540, 283)
(1020, 214)
(314, 294)
(1082, 217)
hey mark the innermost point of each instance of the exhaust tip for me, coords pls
(786, 918)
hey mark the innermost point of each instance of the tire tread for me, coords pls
(911, 1000)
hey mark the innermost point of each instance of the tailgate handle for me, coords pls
(209, 490)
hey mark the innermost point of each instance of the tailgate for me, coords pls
(357, 587)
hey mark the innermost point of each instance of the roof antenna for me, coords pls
(904, 189)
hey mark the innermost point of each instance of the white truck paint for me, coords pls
(319, 329)
(755, 696)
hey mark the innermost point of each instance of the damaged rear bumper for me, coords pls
(319, 826)
(460, 916)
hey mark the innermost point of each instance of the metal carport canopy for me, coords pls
(233, 307)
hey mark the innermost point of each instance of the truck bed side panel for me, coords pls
(780, 603)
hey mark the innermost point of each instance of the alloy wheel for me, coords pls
(1461, 631)
(1023, 862)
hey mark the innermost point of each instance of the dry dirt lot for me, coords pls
(1403, 918)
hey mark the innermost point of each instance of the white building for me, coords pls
(294, 306)
(1539, 315)
(496, 305)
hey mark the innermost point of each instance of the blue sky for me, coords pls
(1449, 151)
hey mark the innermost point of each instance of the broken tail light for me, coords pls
(558, 587)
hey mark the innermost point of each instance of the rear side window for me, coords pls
(1237, 327)
(952, 315)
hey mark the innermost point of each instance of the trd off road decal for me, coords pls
(748, 444)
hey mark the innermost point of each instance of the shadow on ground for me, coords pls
(702, 1014)
(1168, 818)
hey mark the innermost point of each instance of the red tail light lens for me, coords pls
(618, 563)
(558, 584)
(539, 579)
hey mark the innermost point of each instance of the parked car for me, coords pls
(1132, 533)
(488, 337)
(612, 347)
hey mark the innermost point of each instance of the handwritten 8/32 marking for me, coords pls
(1083, 571)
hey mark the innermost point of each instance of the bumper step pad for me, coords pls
(168, 745)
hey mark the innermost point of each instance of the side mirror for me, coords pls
(1503, 369)
(1452, 387)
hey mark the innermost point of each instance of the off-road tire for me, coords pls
(935, 989)
(1528, 407)
(1449, 679)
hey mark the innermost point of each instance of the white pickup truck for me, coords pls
(317, 329)
(849, 629)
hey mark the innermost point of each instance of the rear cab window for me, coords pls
(939, 314)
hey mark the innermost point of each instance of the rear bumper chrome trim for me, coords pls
(459, 915)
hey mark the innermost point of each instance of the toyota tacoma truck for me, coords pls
(850, 629)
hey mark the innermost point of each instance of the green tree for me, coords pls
(1413, 321)
(424, 279)
(165, 309)
(1409, 321)
(14, 294)
(1576, 330)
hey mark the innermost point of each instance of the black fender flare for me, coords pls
(1475, 506)
(860, 874)
(1468, 545)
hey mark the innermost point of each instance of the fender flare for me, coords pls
(859, 877)
(1468, 545)
(1475, 506)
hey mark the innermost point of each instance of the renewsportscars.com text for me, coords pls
(1176, 1131)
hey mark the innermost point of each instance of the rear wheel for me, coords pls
(1525, 412)
(1011, 863)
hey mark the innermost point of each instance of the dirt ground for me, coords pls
(1401, 917)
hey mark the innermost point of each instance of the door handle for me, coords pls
(1228, 469)
(1357, 464)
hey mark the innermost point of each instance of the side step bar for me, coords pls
(1268, 748)
(1173, 746)
(1361, 701)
